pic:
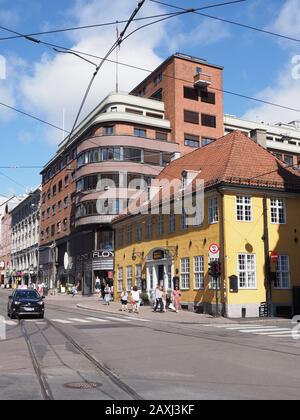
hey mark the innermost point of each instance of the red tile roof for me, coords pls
(235, 159)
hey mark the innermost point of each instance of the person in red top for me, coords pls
(176, 298)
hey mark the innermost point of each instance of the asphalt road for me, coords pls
(78, 354)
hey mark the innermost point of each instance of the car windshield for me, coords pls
(27, 294)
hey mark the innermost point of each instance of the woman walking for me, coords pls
(135, 300)
(176, 298)
(124, 300)
(107, 294)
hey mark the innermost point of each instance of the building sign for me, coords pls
(158, 255)
(103, 254)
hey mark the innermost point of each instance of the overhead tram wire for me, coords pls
(231, 22)
(93, 26)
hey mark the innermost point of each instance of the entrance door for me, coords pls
(161, 275)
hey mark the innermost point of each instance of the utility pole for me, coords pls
(268, 280)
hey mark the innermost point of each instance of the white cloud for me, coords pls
(285, 90)
(206, 33)
(58, 83)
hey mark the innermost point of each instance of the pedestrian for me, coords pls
(98, 286)
(107, 294)
(164, 299)
(135, 300)
(157, 296)
(124, 300)
(74, 290)
(176, 295)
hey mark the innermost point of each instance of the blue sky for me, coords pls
(47, 85)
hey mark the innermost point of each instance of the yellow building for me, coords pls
(251, 210)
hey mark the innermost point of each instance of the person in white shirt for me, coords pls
(124, 300)
(135, 300)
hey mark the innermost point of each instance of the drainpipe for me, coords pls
(268, 281)
(222, 245)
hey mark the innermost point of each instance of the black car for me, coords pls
(25, 302)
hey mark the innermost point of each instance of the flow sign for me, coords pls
(214, 251)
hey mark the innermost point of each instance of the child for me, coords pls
(124, 300)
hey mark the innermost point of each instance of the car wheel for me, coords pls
(41, 316)
(12, 316)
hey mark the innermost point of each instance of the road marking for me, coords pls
(97, 319)
(118, 319)
(282, 336)
(280, 331)
(12, 323)
(250, 327)
(264, 330)
(83, 321)
(138, 319)
(61, 321)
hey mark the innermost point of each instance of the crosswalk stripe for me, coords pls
(138, 319)
(83, 321)
(61, 321)
(282, 336)
(263, 330)
(279, 331)
(245, 327)
(118, 319)
(97, 319)
(11, 323)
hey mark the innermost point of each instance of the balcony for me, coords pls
(202, 80)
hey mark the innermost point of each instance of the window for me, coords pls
(247, 271)
(59, 206)
(120, 279)
(244, 209)
(133, 111)
(49, 194)
(66, 202)
(114, 109)
(157, 96)
(190, 93)
(185, 273)
(191, 141)
(209, 120)
(208, 97)
(132, 155)
(149, 228)
(48, 212)
(138, 232)
(60, 186)
(184, 220)
(43, 215)
(206, 140)
(283, 273)
(161, 136)
(54, 189)
(153, 115)
(278, 215)
(65, 224)
(213, 210)
(108, 131)
(191, 117)
(172, 223)
(199, 272)
(289, 160)
(109, 154)
(54, 210)
(140, 132)
(66, 180)
(58, 227)
(52, 230)
(120, 237)
(47, 232)
(160, 225)
(129, 234)
(129, 277)
(138, 276)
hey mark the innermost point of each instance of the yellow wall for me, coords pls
(240, 237)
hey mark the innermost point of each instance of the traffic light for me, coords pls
(215, 269)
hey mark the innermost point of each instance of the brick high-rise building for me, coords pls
(191, 89)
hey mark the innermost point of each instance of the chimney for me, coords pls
(259, 136)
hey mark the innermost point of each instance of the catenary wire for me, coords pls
(242, 25)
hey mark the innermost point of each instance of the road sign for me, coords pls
(274, 256)
(214, 251)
